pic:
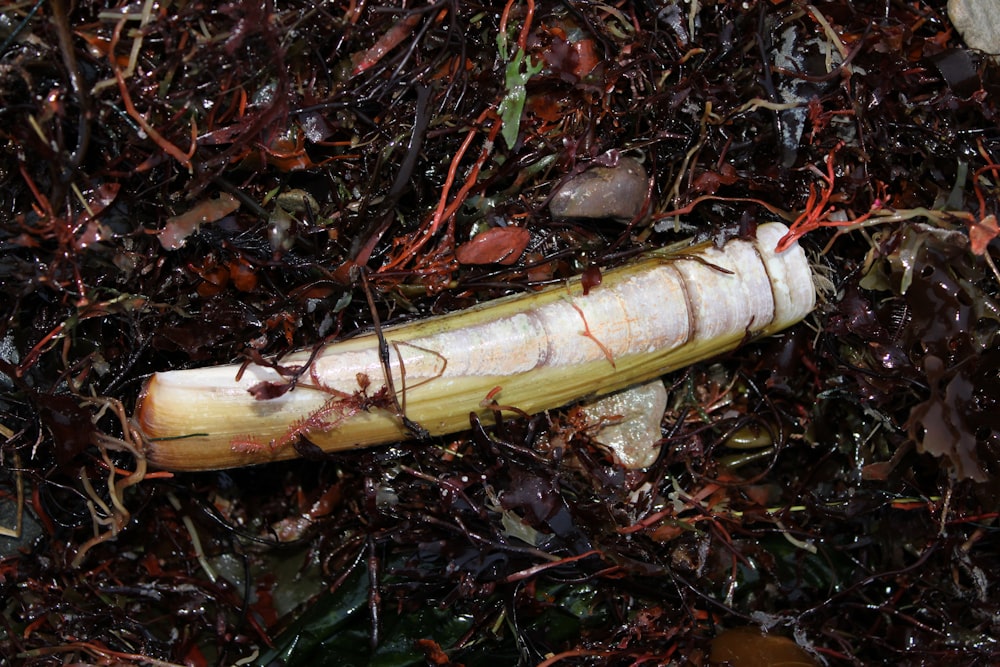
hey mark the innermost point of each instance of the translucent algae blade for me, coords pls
(535, 352)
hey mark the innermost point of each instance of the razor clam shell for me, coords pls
(534, 352)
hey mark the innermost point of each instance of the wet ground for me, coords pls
(185, 184)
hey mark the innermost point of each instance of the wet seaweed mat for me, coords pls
(186, 184)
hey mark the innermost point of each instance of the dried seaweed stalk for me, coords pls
(535, 352)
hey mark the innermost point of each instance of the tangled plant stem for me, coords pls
(817, 210)
(116, 517)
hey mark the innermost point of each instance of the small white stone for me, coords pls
(978, 21)
(632, 423)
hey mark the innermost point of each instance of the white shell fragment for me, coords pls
(532, 352)
(628, 423)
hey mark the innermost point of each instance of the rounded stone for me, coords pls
(602, 192)
(629, 423)
(978, 21)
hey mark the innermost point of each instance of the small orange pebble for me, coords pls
(667, 532)
(539, 271)
(100, 47)
(586, 57)
(215, 278)
(179, 227)
(762, 494)
(387, 42)
(242, 275)
(981, 233)
(748, 647)
(498, 245)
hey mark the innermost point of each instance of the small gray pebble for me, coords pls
(602, 192)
